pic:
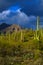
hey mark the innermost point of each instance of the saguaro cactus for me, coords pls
(38, 23)
(37, 28)
(21, 35)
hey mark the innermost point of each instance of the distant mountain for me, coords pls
(9, 28)
(3, 26)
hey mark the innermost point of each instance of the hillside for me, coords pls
(21, 48)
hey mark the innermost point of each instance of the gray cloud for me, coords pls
(17, 17)
(30, 7)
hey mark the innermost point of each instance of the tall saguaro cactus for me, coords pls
(38, 23)
(37, 28)
(21, 35)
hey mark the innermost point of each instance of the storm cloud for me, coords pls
(30, 7)
(17, 17)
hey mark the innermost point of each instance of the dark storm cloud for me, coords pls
(31, 7)
(17, 17)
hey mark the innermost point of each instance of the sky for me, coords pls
(22, 12)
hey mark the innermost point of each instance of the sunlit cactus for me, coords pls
(21, 35)
(36, 36)
(38, 23)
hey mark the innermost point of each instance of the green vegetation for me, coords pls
(21, 48)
